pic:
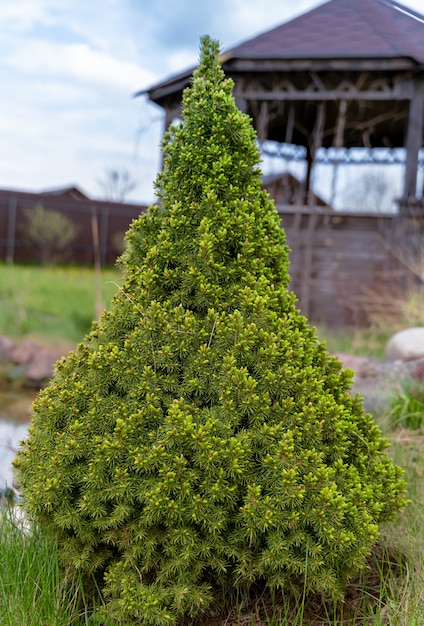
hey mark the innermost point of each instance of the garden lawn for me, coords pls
(52, 303)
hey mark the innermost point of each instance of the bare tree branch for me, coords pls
(117, 184)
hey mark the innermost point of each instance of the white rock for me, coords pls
(406, 345)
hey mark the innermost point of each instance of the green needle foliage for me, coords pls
(202, 440)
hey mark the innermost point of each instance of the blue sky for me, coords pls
(68, 71)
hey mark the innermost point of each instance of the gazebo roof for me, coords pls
(342, 29)
(339, 29)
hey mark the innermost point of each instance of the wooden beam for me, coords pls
(319, 65)
(262, 121)
(240, 99)
(241, 103)
(171, 113)
(306, 277)
(334, 94)
(314, 144)
(414, 139)
(11, 229)
(338, 143)
(290, 124)
(378, 119)
(167, 88)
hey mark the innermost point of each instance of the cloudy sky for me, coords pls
(68, 71)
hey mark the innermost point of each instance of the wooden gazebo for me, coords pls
(346, 76)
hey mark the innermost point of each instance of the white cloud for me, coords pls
(181, 60)
(20, 16)
(79, 62)
(68, 71)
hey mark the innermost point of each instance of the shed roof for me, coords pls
(66, 192)
(66, 197)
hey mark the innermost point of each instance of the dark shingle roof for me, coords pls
(342, 29)
(338, 29)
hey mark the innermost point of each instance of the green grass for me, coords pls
(51, 303)
(368, 342)
(407, 406)
(34, 590)
(371, 341)
(54, 302)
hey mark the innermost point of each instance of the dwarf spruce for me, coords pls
(201, 439)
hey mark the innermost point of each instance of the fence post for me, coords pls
(11, 230)
(104, 225)
(97, 262)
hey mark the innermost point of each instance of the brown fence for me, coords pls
(345, 267)
(100, 227)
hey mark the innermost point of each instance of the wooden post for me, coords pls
(414, 140)
(338, 143)
(315, 143)
(290, 124)
(11, 230)
(262, 123)
(305, 289)
(97, 264)
(171, 112)
(241, 102)
(104, 227)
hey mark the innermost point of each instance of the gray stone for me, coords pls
(23, 352)
(28, 363)
(362, 366)
(41, 366)
(406, 345)
(6, 347)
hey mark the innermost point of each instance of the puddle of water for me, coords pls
(15, 405)
(10, 436)
(15, 412)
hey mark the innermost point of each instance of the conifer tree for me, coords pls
(201, 438)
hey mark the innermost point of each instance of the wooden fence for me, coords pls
(349, 269)
(346, 268)
(100, 227)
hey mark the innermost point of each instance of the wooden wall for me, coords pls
(348, 268)
(110, 219)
